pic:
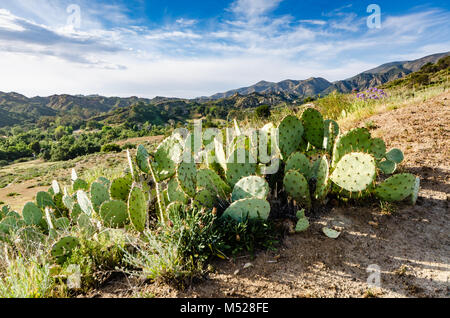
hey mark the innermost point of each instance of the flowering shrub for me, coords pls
(372, 93)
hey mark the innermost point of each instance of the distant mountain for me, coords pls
(16, 109)
(314, 86)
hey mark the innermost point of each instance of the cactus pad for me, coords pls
(167, 156)
(250, 187)
(248, 208)
(298, 161)
(80, 184)
(290, 135)
(63, 248)
(313, 124)
(114, 213)
(240, 164)
(204, 198)
(137, 209)
(120, 188)
(297, 187)
(321, 171)
(44, 199)
(174, 191)
(32, 214)
(142, 159)
(396, 188)
(387, 166)
(395, 155)
(99, 194)
(331, 233)
(331, 132)
(356, 140)
(354, 172)
(187, 177)
(208, 179)
(84, 202)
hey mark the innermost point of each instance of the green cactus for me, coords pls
(32, 214)
(104, 181)
(387, 166)
(297, 187)
(208, 179)
(80, 184)
(313, 124)
(44, 199)
(120, 188)
(356, 140)
(397, 187)
(62, 249)
(204, 198)
(321, 171)
(298, 161)
(331, 132)
(175, 193)
(302, 223)
(84, 222)
(240, 164)
(62, 224)
(377, 148)
(290, 135)
(354, 172)
(75, 212)
(187, 178)
(395, 155)
(84, 202)
(167, 156)
(250, 187)
(137, 209)
(114, 214)
(10, 224)
(99, 194)
(142, 159)
(252, 208)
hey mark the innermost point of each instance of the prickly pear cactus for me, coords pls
(297, 188)
(62, 224)
(80, 184)
(75, 212)
(250, 187)
(104, 181)
(208, 179)
(114, 213)
(302, 223)
(298, 161)
(167, 156)
(120, 188)
(32, 214)
(387, 166)
(137, 209)
(99, 194)
(330, 134)
(377, 148)
(84, 202)
(63, 248)
(321, 172)
(313, 124)
(397, 187)
(252, 208)
(204, 198)
(142, 159)
(395, 155)
(175, 193)
(187, 178)
(290, 135)
(240, 164)
(356, 140)
(354, 172)
(44, 199)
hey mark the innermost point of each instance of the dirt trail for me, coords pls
(411, 246)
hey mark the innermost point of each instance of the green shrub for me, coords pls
(111, 148)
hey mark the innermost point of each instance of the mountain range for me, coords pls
(17, 109)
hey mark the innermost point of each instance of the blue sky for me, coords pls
(197, 48)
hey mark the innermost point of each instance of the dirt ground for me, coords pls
(410, 246)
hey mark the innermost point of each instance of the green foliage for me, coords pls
(111, 148)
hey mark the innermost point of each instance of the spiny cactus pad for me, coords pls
(331, 132)
(250, 187)
(142, 159)
(104, 181)
(44, 199)
(290, 135)
(120, 188)
(204, 198)
(387, 166)
(356, 140)
(62, 224)
(32, 214)
(174, 191)
(298, 161)
(395, 155)
(396, 188)
(313, 124)
(63, 248)
(114, 213)
(187, 177)
(80, 184)
(377, 148)
(75, 212)
(248, 208)
(167, 156)
(84, 202)
(240, 164)
(137, 209)
(355, 172)
(321, 172)
(297, 187)
(208, 179)
(99, 194)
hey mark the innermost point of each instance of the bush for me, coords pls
(111, 148)
(263, 111)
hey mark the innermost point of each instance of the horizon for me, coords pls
(189, 50)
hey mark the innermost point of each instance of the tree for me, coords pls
(35, 147)
(263, 111)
